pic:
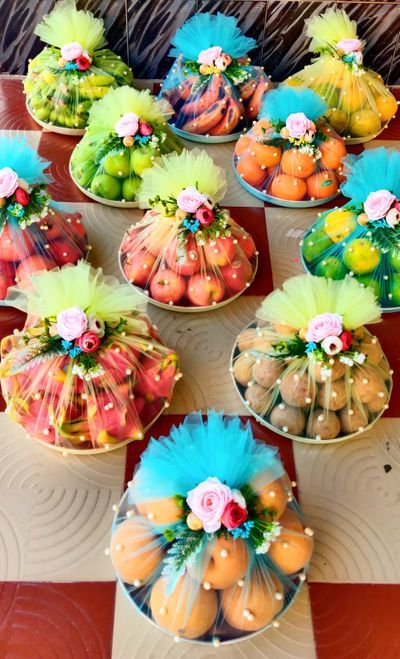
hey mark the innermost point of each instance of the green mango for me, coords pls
(83, 174)
(117, 165)
(130, 188)
(106, 186)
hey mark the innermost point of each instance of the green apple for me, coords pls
(83, 173)
(117, 164)
(367, 280)
(130, 187)
(394, 259)
(394, 288)
(331, 268)
(315, 243)
(106, 186)
(42, 113)
(141, 160)
(361, 256)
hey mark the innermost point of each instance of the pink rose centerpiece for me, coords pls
(71, 51)
(324, 325)
(213, 60)
(299, 127)
(127, 125)
(74, 56)
(8, 182)
(349, 45)
(326, 333)
(215, 504)
(198, 206)
(378, 203)
(209, 55)
(190, 199)
(71, 323)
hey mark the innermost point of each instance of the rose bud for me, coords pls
(88, 342)
(22, 197)
(204, 215)
(145, 128)
(83, 63)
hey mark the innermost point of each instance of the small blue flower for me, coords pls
(242, 531)
(16, 210)
(311, 346)
(66, 345)
(142, 139)
(191, 225)
(71, 66)
(74, 352)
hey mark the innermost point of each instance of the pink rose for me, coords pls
(234, 515)
(349, 45)
(208, 502)
(298, 124)
(209, 55)
(8, 182)
(127, 125)
(71, 323)
(378, 203)
(190, 199)
(205, 216)
(71, 51)
(324, 325)
(88, 342)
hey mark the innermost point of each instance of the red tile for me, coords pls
(387, 332)
(356, 621)
(253, 220)
(13, 112)
(58, 149)
(54, 620)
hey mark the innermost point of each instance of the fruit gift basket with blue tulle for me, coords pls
(187, 253)
(362, 238)
(127, 131)
(36, 233)
(73, 71)
(88, 372)
(307, 367)
(360, 104)
(208, 542)
(214, 90)
(292, 156)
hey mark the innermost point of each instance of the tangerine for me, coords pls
(298, 164)
(288, 187)
(323, 184)
(351, 99)
(265, 155)
(333, 151)
(386, 106)
(250, 171)
(242, 145)
(260, 128)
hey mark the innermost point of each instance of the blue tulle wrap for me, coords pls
(205, 30)
(372, 170)
(281, 102)
(23, 159)
(220, 446)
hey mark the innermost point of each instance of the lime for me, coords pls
(117, 164)
(331, 268)
(394, 288)
(367, 280)
(83, 173)
(130, 187)
(141, 160)
(339, 224)
(314, 244)
(394, 259)
(361, 256)
(106, 186)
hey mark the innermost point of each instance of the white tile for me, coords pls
(350, 494)
(135, 637)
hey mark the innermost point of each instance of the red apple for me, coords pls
(138, 267)
(15, 244)
(28, 267)
(237, 274)
(186, 260)
(50, 228)
(204, 290)
(221, 252)
(167, 286)
(5, 282)
(77, 226)
(63, 252)
(246, 243)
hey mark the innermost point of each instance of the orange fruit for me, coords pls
(333, 151)
(386, 106)
(266, 156)
(298, 164)
(242, 145)
(250, 171)
(261, 127)
(323, 184)
(288, 187)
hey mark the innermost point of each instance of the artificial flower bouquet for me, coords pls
(308, 368)
(36, 233)
(127, 130)
(208, 541)
(88, 372)
(73, 71)
(360, 105)
(362, 238)
(187, 252)
(291, 156)
(213, 89)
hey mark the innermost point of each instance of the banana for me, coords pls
(247, 89)
(208, 119)
(213, 92)
(230, 121)
(254, 103)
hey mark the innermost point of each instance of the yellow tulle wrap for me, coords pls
(107, 112)
(304, 297)
(66, 23)
(329, 28)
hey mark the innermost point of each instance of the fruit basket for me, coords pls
(307, 367)
(187, 253)
(212, 549)
(362, 238)
(127, 131)
(36, 233)
(88, 373)
(360, 104)
(291, 157)
(213, 89)
(73, 71)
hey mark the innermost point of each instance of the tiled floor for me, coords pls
(58, 596)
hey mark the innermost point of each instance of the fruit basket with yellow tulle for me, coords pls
(73, 71)
(212, 87)
(208, 542)
(88, 372)
(292, 156)
(36, 233)
(127, 131)
(362, 238)
(187, 253)
(360, 104)
(307, 367)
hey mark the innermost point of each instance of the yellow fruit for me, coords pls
(351, 99)
(339, 224)
(363, 123)
(337, 119)
(293, 81)
(361, 256)
(386, 106)
(48, 77)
